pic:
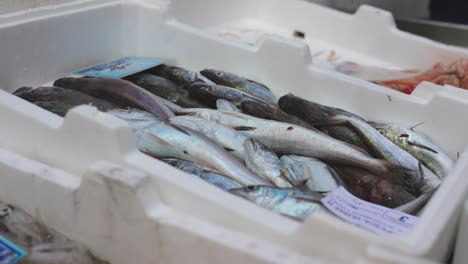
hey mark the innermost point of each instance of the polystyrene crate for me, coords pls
(40, 46)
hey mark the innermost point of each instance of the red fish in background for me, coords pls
(455, 74)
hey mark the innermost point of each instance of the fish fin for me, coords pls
(302, 185)
(408, 178)
(261, 84)
(244, 128)
(308, 198)
(284, 175)
(151, 154)
(178, 128)
(229, 149)
(422, 147)
(158, 139)
(415, 126)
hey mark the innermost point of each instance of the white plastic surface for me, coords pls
(461, 254)
(43, 45)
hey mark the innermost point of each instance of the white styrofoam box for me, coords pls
(8, 6)
(461, 255)
(400, 8)
(41, 46)
(369, 36)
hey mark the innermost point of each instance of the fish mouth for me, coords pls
(22, 90)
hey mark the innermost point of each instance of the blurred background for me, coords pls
(442, 20)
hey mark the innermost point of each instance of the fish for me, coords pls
(311, 174)
(414, 207)
(159, 86)
(25, 230)
(189, 102)
(209, 94)
(287, 139)
(119, 92)
(271, 112)
(225, 105)
(60, 253)
(286, 201)
(160, 139)
(372, 188)
(225, 136)
(312, 113)
(429, 154)
(253, 88)
(178, 75)
(59, 100)
(266, 164)
(207, 175)
(419, 182)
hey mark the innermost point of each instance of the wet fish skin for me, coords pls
(253, 88)
(158, 85)
(188, 102)
(313, 113)
(214, 178)
(373, 188)
(417, 145)
(271, 112)
(266, 164)
(59, 100)
(119, 92)
(287, 201)
(164, 140)
(225, 105)
(178, 75)
(311, 174)
(26, 231)
(225, 136)
(285, 139)
(421, 181)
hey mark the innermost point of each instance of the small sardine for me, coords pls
(286, 201)
(178, 75)
(214, 178)
(168, 141)
(253, 88)
(59, 100)
(158, 85)
(266, 164)
(311, 174)
(419, 146)
(119, 92)
(225, 105)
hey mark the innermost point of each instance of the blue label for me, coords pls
(10, 253)
(120, 68)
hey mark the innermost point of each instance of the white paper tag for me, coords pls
(376, 218)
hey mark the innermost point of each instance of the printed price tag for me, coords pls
(10, 253)
(120, 68)
(376, 218)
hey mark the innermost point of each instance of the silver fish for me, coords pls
(214, 178)
(225, 105)
(225, 136)
(266, 164)
(421, 181)
(162, 140)
(417, 145)
(311, 173)
(286, 201)
(285, 139)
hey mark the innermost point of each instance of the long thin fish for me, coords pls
(161, 140)
(120, 92)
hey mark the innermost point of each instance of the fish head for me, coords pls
(251, 192)
(5, 211)
(181, 75)
(223, 78)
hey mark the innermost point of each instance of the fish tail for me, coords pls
(410, 179)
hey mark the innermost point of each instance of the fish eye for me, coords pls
(177, 72)
(252, 188)
(219, 74)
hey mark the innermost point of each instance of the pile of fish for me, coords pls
(43, 245)
(283, 154)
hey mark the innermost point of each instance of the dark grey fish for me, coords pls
(253, 88)
(178, 75)
(119, 92)
(186, 101)
(209, 93)
(271, 112)
(313, 113)
(158, 85)
(59, 100)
